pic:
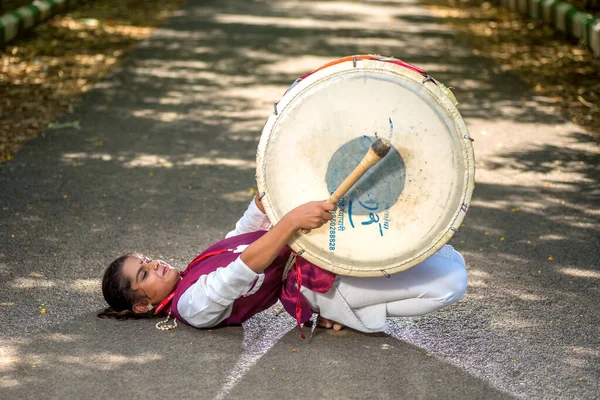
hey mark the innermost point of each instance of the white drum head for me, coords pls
(402, 210)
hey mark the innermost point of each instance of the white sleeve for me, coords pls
(253, 220)
(209, 301)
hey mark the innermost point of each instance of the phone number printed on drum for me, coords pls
(336, 224)
(332, 226)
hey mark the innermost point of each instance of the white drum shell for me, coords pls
(338, 104)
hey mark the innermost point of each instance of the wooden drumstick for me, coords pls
(377, 151)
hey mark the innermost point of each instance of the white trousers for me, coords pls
(364, 303)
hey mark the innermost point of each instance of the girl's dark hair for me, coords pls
(117, 292)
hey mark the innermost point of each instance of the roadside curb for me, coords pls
(15, 22)
(562, 16)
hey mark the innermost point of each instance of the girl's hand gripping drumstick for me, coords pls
(377, 151)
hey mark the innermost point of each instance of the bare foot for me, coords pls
(329, 324)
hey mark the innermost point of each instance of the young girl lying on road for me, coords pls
(252, 268)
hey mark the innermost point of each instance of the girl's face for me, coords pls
(154, 279)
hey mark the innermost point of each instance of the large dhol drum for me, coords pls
(403, 209)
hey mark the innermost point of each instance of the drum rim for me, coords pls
(438, 92)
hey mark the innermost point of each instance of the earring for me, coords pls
(150, 307)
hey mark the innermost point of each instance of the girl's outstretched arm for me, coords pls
(207, 302)
(260, 254)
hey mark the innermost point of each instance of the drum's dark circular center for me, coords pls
(378, 189)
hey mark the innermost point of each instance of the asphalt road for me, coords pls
(164, 162)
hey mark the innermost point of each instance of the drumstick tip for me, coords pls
(381, 147)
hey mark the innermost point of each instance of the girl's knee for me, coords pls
(455, 277)
(461, 280)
